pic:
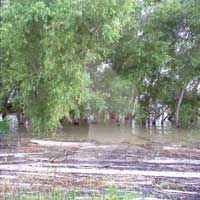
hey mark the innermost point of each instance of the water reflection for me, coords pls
(138, 135)
(112, 133)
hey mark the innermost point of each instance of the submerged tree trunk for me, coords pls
(180, 99)
(5, 108)
(5, 104)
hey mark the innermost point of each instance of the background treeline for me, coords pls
(69, 58)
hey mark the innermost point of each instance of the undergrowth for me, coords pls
(60, 194)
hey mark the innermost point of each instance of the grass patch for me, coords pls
(53, 195)
(60, 194)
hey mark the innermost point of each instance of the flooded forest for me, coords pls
(100, 100)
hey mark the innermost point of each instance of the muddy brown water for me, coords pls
(110, 133)
(113, 134)
(160, 162)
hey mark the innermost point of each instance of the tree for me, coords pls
(178, 20)
(160, 53)
(46, 46)
(140, 55)
(111, 92)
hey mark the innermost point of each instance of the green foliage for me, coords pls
(140, 113)
(160, 54)
(189, 116)
(45, 50)
(4, 125)
(111, 92)
(121, 94)
(48, 47)
(114, 194)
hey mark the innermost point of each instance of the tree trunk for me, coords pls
(5, 110)
(179, 105)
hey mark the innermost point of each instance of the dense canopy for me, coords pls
(74, 57)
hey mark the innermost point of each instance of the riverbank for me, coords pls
(164, 172)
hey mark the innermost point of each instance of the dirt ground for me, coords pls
(165, 172)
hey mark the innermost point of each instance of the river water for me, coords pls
(112, 133)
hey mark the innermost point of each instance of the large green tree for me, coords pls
(179, 23)
(46, 46)
(161, 53)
